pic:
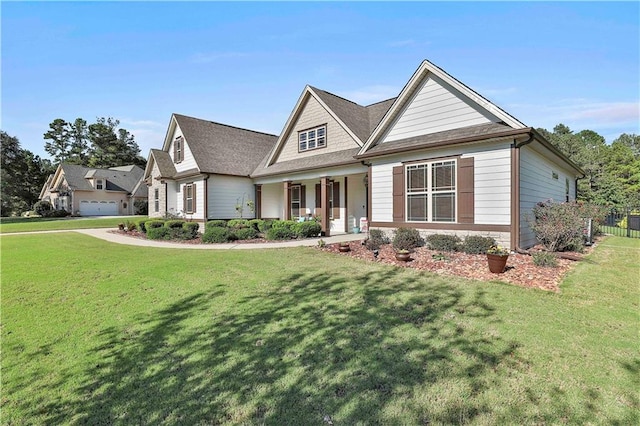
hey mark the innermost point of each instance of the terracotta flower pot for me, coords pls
(344, 249)
(497, 262)
(403, 257)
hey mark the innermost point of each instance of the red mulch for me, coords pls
(520, 269)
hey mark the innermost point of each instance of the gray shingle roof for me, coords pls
(223, 149)
(465, 134)
(337, 158)
(164, 163)
(118, 178)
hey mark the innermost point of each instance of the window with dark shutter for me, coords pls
(466, 198)
(398, 194)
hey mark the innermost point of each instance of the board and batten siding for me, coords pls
(537, 183)
(313, 114)
(188, 162)
(162, 196)
(435, 107)
(225, 192)
(492, 183)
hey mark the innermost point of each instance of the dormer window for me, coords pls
(99, 183)
(312, 138)
(178, 150)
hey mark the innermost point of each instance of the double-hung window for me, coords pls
(156, 200)
(312, 138)
(99, 183)
(431, 192)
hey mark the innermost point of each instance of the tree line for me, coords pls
(612, 172)
(102, 144)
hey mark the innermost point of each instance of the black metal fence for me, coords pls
(623, 222)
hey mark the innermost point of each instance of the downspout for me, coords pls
(206, 198)
(515, 190)
(368, 193)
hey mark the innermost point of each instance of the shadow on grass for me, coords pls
(315, 350)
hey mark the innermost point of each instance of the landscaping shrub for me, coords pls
(190, 230)
(256, 224)
(441, 242)
(56, 213)
(265, 225)
(42, 207)
(559, 226)
(141, 225)
(544, 258)
(377, 238)
(407, 239)
(307, 229)
(153, 224)
(216, 234)
(238, 224)
(279, 233)
(158, 233)
(245, 233)
(475, 244)
(174, 224)
(130, 225)
(216, 223)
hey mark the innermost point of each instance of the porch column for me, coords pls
(287, 200)
(258, 203)
(324, 206)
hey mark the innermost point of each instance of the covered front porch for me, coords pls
(338, 201)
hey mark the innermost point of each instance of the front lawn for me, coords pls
(99, 333)
(29, 224)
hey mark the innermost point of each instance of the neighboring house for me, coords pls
(202, 171)
(439, 158)
(87, 191)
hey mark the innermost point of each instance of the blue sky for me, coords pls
(246, 64)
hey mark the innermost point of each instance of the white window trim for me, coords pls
(298, 201)
(305, 134)
(156, 200)
(430, 191)
(189, 188)
(101, 183)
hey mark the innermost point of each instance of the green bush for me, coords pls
(238, 224)
(407, 239)
(559, 226)
(216, 234)
(475, 244)
(190, 230)
(159, 233)
(216, 223)
(174, 224)
(307, 229)
(441, 242)
(130, 225)
(544, 258)
(42, 207)
(245, 233)
(377, 238)
(257, 224)
(142, 225)
(280, 233)
(152, 224)
(56, 213)
(265, 225)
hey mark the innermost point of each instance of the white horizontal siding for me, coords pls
(492, 186)
(382, 192)
(225, 192)
(537, 184)
(200, 199)
(436, 107)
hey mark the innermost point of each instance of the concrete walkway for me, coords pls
(107, 234)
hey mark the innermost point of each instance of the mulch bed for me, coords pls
(520, 270)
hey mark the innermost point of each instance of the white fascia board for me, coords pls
(313, 174)
(287, 127)
(170, 131)
(335, 117)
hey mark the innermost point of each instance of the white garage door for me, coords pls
(98, 208)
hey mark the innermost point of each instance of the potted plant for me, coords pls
(497, 259)
(403, 255)
(344, 247)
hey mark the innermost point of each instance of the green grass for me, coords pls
(23, 224)
(620, 232)
(97, 333)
